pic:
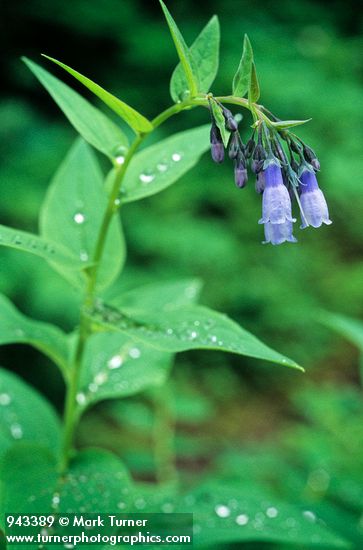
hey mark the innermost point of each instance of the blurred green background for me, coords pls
(309, 60)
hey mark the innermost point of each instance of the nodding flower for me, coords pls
(276, 202)
(313, 203)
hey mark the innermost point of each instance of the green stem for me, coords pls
(70, 410)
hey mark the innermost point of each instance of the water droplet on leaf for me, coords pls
(115, 362)
(16, 431)
(79, 218)
(5, 399)
(242, 519)
(176, 157)
(81, 398)
(222, 511)
(147, 177)
(134, 353)
(271, 512)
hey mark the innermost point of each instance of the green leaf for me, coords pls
(241, 79)
(186, 59)
(161, 296)
(160, 165)
(226, 513)
(220, 121)
(16, 328)
(132, 117)
(28, 478)
(44, 248)
(283, 124)
(25, 415)
(96, 481)
(96, 128)
(117, 366)
(351, 329)
(186, 328)
(254, 89)
(205, 52)
(72, 214)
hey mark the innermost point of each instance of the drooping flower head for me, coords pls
(313, 203)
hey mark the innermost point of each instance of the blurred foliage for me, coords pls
(303, 444)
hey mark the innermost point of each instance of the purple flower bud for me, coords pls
(315, 164)
(276, 202)
(231, 122)
(240, 172)
(278, 233)
(311, 158)
(313, 203)
(259, 152)
(250, 146)
(295, 147)
(240, 176)
(233, 146)
(217, 148)
(256, 166)
(260, 183)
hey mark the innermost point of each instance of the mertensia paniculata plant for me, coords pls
(125, 345)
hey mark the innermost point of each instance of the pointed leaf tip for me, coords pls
(132, 117)
(186, 59)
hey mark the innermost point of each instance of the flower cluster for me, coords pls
(285, 168)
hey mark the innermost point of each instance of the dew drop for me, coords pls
(16, 431)
(81, 398)
(167, 507)
(5, 399)
(83, 255)
(242, 519)
(134, 353)
(308, 514)
(92, 387)
(272, 512)
(79, 218)
(176, 157)
(162, 166)
(290, 522)
(115, 362)
(140, 503)
(222, 511)
(100, 378)
(146, 177)
(119, 154)
(117, 202)
(55, 499)
(121, 505)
